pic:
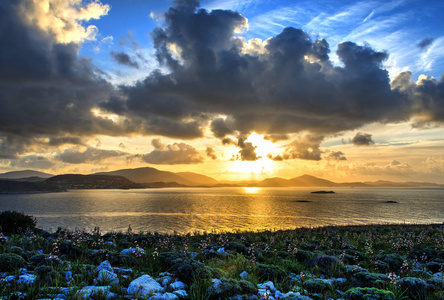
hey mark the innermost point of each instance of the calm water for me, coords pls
(185, 210)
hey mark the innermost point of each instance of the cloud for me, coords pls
(173, 154)
(124, 59)
(31, 162)
(248, 151)
(157, 144)
(362, 139)
(64, 19)
(90, 155)
(211, 153)
(334, 155)
(425, 43)
(290, 87)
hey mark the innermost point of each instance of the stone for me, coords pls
(122, 271)
(133, 251)
(182, 294)
(245, 275)
(269, 285)
(88, 291)
(178, 285)
(166, 296)
(26, 279)
(106, 277)
(105, 266)
(222, 251)
(144, 286)
(68, 276)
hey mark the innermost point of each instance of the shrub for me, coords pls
(368, 294)
(317, 285)
(10, 262)
(269, 272)
(13, 222)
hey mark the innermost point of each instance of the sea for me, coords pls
(226, 209)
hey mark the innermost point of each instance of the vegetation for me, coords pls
(387, 262)
(12, 222)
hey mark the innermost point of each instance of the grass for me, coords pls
(288, 258)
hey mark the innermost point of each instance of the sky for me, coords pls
(236, 90)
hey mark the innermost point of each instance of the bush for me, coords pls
(10, 262)
(13, 222)
(368, 294)
(317, 285)
(269, 272)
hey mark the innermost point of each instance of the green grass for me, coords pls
(264, 255)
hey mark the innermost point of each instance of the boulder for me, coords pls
(26, 279)
(178, 285)
(88, 291)
(144, 287)
(105, 266)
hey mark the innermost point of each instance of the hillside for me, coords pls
(150, 175)
(76, 181)
(24, 174)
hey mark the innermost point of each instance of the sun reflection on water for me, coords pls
(251, 190)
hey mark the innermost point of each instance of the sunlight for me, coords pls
(260, 168)
(251, 190)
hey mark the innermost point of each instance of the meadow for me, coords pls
(338, 262)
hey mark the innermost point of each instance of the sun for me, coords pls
(257, 169)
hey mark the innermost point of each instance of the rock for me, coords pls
(106, 277)
(269, 285)
(144, 286)
(68, 276)
(122, 271)
(366, 279)
(178, 285)
(245, 275)
(224, 287)
(415, 286)
(89, 291)
(26, 279)
(133, 251)
(105, 266)
(327, 264)
(355, 269)
(182, 294)
(222, 251)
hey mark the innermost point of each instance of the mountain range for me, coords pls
(153, 178)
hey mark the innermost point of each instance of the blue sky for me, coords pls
(394, 26)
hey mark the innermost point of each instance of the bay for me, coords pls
(194, 210)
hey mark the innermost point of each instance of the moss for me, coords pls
(228, 287)
(235, 246)
(317, 285)
(368, 294)
(269, 272)
(10, 262)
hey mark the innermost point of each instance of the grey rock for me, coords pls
(26, 279)
(89, 291)
(105, 266)
(182, 294)
(144, 286)
(166, 296)
(106, 277)
(133, 251)
(269, 285)
(178, 285)
(122, 271)
(245, 275)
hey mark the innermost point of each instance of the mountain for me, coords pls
(24, 174)
(384, 183)
(76, 181)
(18, 187)
(198, 178)
(275, 182)
(307, 180)
(150, 175)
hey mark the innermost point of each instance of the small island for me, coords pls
(323, 192)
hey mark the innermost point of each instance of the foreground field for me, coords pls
(351, 262)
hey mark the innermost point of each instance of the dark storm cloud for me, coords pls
(174, 154)
(90, 155)
(425, 43)
(304, 147)
(362, 139)
(334, 155)
(124, 59)
(248, 151)
(287, 85)
(211, 153)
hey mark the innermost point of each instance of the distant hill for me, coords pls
(306, 181)
(151, 175)
(18, 187)
(24, 174)
(76, 181)
(384, 183)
